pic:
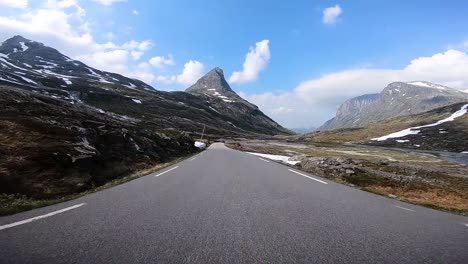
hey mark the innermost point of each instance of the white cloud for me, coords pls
(112, 61)
(143, 72)
(136, 55)
(331, 14)
(314, 101)
(108, 2)
(255, 61)
(161, 61)
(193, 70)
(135, 12)
(14, 3)
(144, 45)
(64, 26)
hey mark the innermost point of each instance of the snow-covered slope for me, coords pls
(27, 62)
(417, 129)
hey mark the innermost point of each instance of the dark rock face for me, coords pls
(350, 111)
(50, 147)
(397, 99)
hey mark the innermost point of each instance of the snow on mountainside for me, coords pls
(416, 130)
(428, 84)
(33, 66)
(27, 62)
(397, 99)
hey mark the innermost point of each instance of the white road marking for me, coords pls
(307, 176)
(404, 208)
(40, 217)
(465, 224)
(167, 171)
(193, 158)
(264, 160)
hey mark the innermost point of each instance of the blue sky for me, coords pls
(305, 64)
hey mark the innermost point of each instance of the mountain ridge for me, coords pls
(45, 70)
(396, 99)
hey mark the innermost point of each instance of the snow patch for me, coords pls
(23, 47)
(402, 140)
(284, 159)
(415, 130)
(136, 101)
(213, 109)
(28, 80)
(67, 81)
(131, 86)
(426, 84)
(1, 79)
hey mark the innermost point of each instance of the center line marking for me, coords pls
(167, 171)
(264, 160)
(40, 217)
(404, 208)
(307, 176)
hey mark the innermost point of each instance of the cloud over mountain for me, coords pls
(255, 61)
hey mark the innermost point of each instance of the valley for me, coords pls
(68, 129)
(233, 132)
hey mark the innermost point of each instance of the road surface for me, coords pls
(226, 206)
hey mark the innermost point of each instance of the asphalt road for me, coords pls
(225, 206)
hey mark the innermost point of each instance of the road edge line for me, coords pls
(307, 176)
(32, 219)
(166, 171)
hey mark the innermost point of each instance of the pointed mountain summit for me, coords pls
(212, 82)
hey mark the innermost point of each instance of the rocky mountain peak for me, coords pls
(212, 83)
(17, 39)
(16, 44)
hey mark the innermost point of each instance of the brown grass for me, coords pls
(435, 198)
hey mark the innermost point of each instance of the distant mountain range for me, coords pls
(441, 129)
(303, 130)
(397, 99)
